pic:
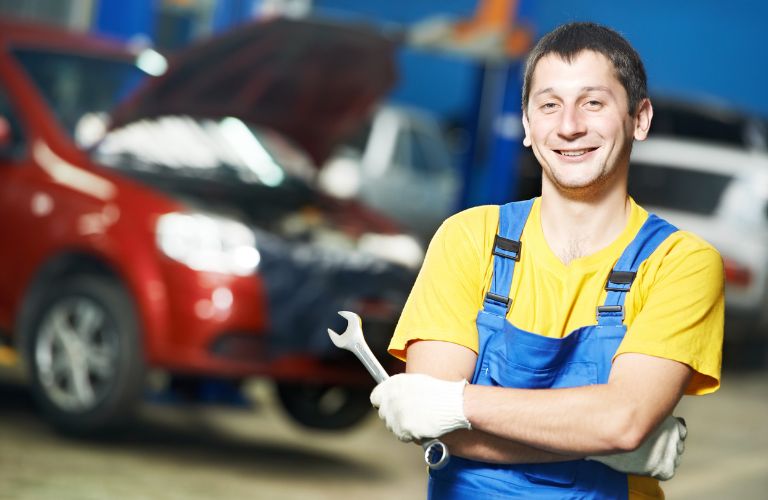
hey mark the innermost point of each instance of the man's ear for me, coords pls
(527, 136)
(643, 119)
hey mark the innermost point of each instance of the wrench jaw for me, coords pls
(352, 335)
(353, 340)
(336, 339)
(352, 319)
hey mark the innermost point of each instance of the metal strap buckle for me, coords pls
(507, 245)
(610, 309)
(620, 278)
(506, 301)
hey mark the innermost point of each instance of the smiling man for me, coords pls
(548, 341)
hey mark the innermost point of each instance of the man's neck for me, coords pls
(575, 228)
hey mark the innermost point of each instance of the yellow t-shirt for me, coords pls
(674, 309)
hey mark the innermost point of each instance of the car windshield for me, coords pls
(78, 87)
(224, 149)
(675, 188)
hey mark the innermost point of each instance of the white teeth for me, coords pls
(574, 153)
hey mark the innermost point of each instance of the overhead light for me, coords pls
(151, 62)
(251, 151)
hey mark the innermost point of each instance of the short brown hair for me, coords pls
(568, 40)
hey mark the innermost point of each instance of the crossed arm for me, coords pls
(526, 426)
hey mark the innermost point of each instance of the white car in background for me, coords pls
(399, 164)
(720, 193)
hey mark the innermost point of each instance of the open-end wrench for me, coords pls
(435, 451)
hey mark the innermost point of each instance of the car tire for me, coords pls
(322, 406)
(83, 354)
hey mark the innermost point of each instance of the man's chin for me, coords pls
(579, 188)
(575, 183)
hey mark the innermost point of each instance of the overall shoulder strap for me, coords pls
(654, 231)
(507, 248)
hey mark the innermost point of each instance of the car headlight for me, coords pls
(396, 248)
(208, 243)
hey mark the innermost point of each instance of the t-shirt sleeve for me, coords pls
(446, 296)
(683, 311)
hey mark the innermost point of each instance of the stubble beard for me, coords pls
(591, 188)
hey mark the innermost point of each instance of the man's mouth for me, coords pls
(574, 153)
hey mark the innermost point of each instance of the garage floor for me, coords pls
(202, 453)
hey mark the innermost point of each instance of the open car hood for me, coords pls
(313, 82)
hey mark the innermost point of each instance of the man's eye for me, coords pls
(594, 104)
(548, 106)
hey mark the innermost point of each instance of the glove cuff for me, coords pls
(450, 408)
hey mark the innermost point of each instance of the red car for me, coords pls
(172, 222)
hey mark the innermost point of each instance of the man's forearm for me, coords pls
(484, 447)
(578, 421)
(590, 420)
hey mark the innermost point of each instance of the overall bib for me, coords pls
(511, 357)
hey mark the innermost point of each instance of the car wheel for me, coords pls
(83, 353)
(324, 407)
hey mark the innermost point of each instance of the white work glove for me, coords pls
(416, 406)
(657, 457)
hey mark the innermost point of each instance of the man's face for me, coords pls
(578, 124)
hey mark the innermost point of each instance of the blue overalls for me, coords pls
(511, 357)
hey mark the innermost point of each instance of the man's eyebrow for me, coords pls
(597, 88)
(543, 91)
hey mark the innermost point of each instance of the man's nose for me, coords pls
(572, 123)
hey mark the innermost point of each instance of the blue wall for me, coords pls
(125, 19)
(704, 50)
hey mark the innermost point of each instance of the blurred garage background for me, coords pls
(190, 189)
